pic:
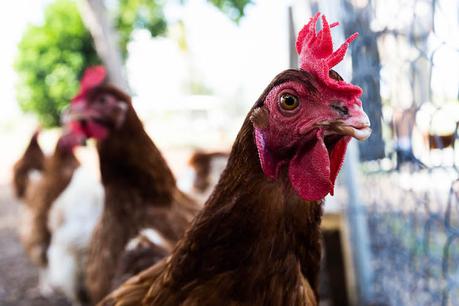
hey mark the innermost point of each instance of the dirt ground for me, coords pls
(18, 278)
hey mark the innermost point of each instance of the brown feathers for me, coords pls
(140, 192)
(136, 288)
(35, 235)
(255, 243)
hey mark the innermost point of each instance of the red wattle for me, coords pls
(313, 169)
(97, 131)
(309, 170)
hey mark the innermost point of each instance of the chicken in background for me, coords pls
(61, 209)
(439, 129)
(29, 167)
(71, 221)
(403, 123)
(141, 196)
(257, 239)
(204, 173)
(41, 195)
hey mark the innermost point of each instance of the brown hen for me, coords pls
(141, 196)
(257, 240)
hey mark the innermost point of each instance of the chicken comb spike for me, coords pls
(307, 33)
(92, 77)
(316, 53)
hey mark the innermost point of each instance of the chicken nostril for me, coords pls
(341, 109)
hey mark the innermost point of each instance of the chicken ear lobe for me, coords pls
(309, 170)
(269, 164)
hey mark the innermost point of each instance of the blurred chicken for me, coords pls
(205, 170)
(41, 195)
(141, 197)
(439, 128)
(438, 124)
(257, 240)
(403, 122)
(60, 212)
(29, 167)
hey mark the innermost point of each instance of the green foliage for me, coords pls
(139, 14)
(234, 9)
(51, 59)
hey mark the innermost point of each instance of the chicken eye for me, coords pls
(102, 100)
(288, 102)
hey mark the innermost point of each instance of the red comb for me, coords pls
(92, 77)
(317, 56)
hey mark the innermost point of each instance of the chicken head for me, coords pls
(97, 109)
(308, 116)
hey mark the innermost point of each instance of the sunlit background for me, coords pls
(194, 82)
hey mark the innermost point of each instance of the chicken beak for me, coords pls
(357, 125)
(73, 119)
(76, 112)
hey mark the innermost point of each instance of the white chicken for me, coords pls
(72, 219)
(62, 204)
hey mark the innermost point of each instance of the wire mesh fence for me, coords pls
(413, 219)
(412, 207)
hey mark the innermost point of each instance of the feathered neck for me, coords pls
(130, 160)
(248, 223)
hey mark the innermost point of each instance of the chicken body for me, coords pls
(235, 254)
(72, 219)
(41, 195)
(140, 194)
(257, 240)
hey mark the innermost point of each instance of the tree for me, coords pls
(51, 59)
